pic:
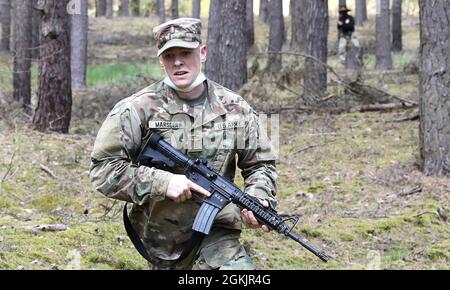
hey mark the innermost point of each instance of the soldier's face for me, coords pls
(183, 65)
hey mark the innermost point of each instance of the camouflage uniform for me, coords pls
(163, 225)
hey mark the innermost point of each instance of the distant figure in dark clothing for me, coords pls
(346, 27)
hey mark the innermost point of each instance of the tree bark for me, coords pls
(315, 78)
(54, 106)
(383, 36)
(6, 24)
(161, 6)
(36, 27)
(233, 70)
(250, 25)
(397, 44)
(264, 11)
(100, 8)
(109, 9)
(213, 62)
(275, 35)
(360, 12)
(196, 8)
(174, 9)
(135, 7)
(22, 57)
(435, 87)
(79, 41)
(298, 38)
(124, 8)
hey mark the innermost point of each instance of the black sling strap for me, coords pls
(195, 240)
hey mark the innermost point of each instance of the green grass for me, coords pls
(116, 72)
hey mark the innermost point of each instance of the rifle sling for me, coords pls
(192, 243)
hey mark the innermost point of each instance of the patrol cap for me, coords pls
(180, 32)
(343, 8)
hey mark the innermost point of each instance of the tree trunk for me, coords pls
(213, 61)
(36, 27)
(161, 6)
(22, 57)
(54, 106)
(264, 11)
(109, 9)
(135, 7)
(383, 36)
(250, 25)
(79, 40)
(342, 2)
(100, 8)
(275, 35)
(124, 8)
(435, 87)
(397, 25)
(6, 24)
(315, 78)
(233, 70)
(298, 38)
(196, 8)
(175, 14)
(360, 12)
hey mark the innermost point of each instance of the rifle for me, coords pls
(160, 153)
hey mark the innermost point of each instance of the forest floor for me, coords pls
(352, 178)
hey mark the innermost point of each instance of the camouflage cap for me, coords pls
(180, 32)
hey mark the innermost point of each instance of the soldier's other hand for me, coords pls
(250, 221)
(180, 189)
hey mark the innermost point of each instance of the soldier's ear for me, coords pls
(203, 53)
(160, 62)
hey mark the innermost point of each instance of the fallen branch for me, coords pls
(48, 171)
(310, 146)
(410, 118)
(384, 107)
(43, 228)
(411, 191)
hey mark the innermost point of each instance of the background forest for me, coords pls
(352, 161)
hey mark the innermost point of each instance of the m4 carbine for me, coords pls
(201, 172)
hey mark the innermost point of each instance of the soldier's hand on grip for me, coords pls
(180, 189)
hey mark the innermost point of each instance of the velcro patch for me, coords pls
(229, 124)
(165, 125)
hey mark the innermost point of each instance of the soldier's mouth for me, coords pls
(180, 73)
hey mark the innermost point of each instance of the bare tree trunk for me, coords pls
(22, 57)
(79, 41)
(36, 27)
(124, 8)
(342, 2)
(298, 38)
(175, 13)
(135, 7)
(360, 12)
(264, 11)
(54, 106)
(250, 25)
(109, 9)
(383, 38)
(6, 24)
(100, 8)
(315, 78)
(397, 25)
(275, 35)
(196, 8)
(435, 87)
(213, 62)
(161, 11)
(233, 70)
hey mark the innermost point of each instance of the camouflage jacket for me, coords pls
(163, 224)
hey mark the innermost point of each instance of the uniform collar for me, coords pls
(213, 107)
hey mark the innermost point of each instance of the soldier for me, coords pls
(201, 118)
(347, 35)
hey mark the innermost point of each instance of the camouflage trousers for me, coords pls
(220, 250)
(344, 41)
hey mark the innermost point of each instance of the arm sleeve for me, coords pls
(257, 162)
(112, 171)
